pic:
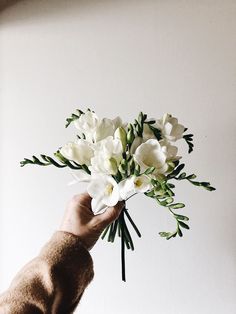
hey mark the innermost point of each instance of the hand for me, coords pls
(80, 220)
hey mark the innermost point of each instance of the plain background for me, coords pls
(120, 57)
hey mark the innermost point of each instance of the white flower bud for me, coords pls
(111, 165)
(120, 134)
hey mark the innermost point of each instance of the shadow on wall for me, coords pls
(21, 10)
(4, 4)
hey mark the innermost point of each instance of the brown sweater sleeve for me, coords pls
(53, 282)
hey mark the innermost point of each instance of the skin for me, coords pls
(80, 220)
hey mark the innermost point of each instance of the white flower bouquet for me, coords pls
(119, 160)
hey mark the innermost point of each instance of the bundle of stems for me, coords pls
(119, 226)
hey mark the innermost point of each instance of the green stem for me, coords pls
(132, 222)
(121, 218)
(128, 236)
(105, 232)
(114, 230)
(111, 232)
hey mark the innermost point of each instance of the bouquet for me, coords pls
(119, 160)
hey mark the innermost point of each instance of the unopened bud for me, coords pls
(112, 166)
(130, 136)
(132, 166)
(137, 170)
(120, 134)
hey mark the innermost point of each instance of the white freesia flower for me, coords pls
(136, 143)
(79, 176)
(80, 152)
(147, 135)
(107, 156)
(96, 129)
(150, 154)
(147, 132)
(170, 128)
(169, 150)
(118, 123)
(104, 192)
(87, 124)
(105, 128)
(133, 185)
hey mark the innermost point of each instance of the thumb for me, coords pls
(111, 214)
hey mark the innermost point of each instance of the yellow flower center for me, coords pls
(138, 183)
(109, 189)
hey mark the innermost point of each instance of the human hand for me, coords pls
(80, 220)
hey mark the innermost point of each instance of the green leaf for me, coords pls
(25, 162)
(182, 175)
(179, 232)
(172, 235)
(170, 185)
(150, 170)
(169, 200)
(36, 161)
(140, 118)
(189, 138)
(210, 188)
(181, 217)
(183, 225)
(137, 170)
(177, 205)
(188, 135)
(156, 132)
(164, 234)
(52, 161)
(191, 176)
(170, 193)
(162, 203)
(59, 156)
(73, 117)
(85, 168)
(176, 171)
(150, 122)
(195, 183)
(150, 193)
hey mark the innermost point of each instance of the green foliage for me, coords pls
(139, 124)
(176, 171)
(47, 161)
(175, 174)
(155, 131)
(163, 193)
(137, 170)
(189, 140)
(120, 227)
(73, 117)
(177, 206)
(179, 224)
(130, 135)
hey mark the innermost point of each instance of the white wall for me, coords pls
(120, 57)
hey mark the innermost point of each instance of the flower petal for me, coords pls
(97, 205)
(126, 188)
(81, 176)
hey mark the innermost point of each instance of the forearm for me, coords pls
(54, 281)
